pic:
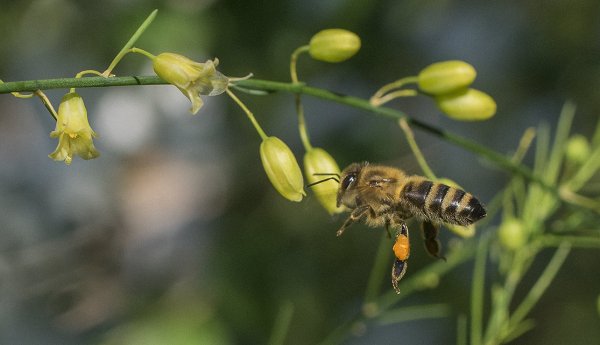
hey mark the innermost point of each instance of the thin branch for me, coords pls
(495, 157)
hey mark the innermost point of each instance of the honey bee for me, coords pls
(387, 196)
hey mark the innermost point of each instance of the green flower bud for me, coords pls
(190, 77)
(467, 105)
(578, 149)
(282, 168)
(318, 161)
(512, 234)
(445, 77)
(73, 131)
(334, 45)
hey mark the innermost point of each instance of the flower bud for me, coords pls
(445, 77)
(334, 45)
(191, 78)
(318, 161)
(467, 105)
(282, 168)
(73, 131)
(578, 149)
(512, 233)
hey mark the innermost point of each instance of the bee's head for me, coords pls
(348, 178)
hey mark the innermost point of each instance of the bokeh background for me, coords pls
(175, 236)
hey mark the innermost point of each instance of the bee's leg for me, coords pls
(398, 270)
(402, 252)
(432, 244)
(356, 215)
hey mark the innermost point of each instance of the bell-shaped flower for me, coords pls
(190, 77)
(282, 168)
(320, 170)
(73, 131)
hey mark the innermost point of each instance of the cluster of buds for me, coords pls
(448, 83)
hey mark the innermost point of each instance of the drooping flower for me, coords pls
(318, 161)
(73, 131)
(282, 168)
(190, 77)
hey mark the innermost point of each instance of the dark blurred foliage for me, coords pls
(175, 236)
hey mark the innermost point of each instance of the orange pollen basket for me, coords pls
(402, 247)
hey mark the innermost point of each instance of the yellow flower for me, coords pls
(73, 131)
(318, 161)
(190, 77)
(282, 168)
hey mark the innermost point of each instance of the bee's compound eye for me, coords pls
(347, 181)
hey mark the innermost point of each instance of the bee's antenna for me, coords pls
(333, 176)
(323, 180)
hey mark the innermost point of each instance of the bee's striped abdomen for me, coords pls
(438, 201)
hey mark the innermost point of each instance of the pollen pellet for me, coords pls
(402, 247)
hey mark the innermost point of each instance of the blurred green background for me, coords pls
(175, 236)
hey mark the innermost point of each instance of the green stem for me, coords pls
(393, 95)
(410, 137)
(143, 52)
(130, 43)
(47, 103)
(477, 289)
(540, 286)
(66, 83)
(302, 125)
(299, 108)
(382, 259)
(294, 61)
(82, 73)
(251, 117)
(88, 71)
(393, 85)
